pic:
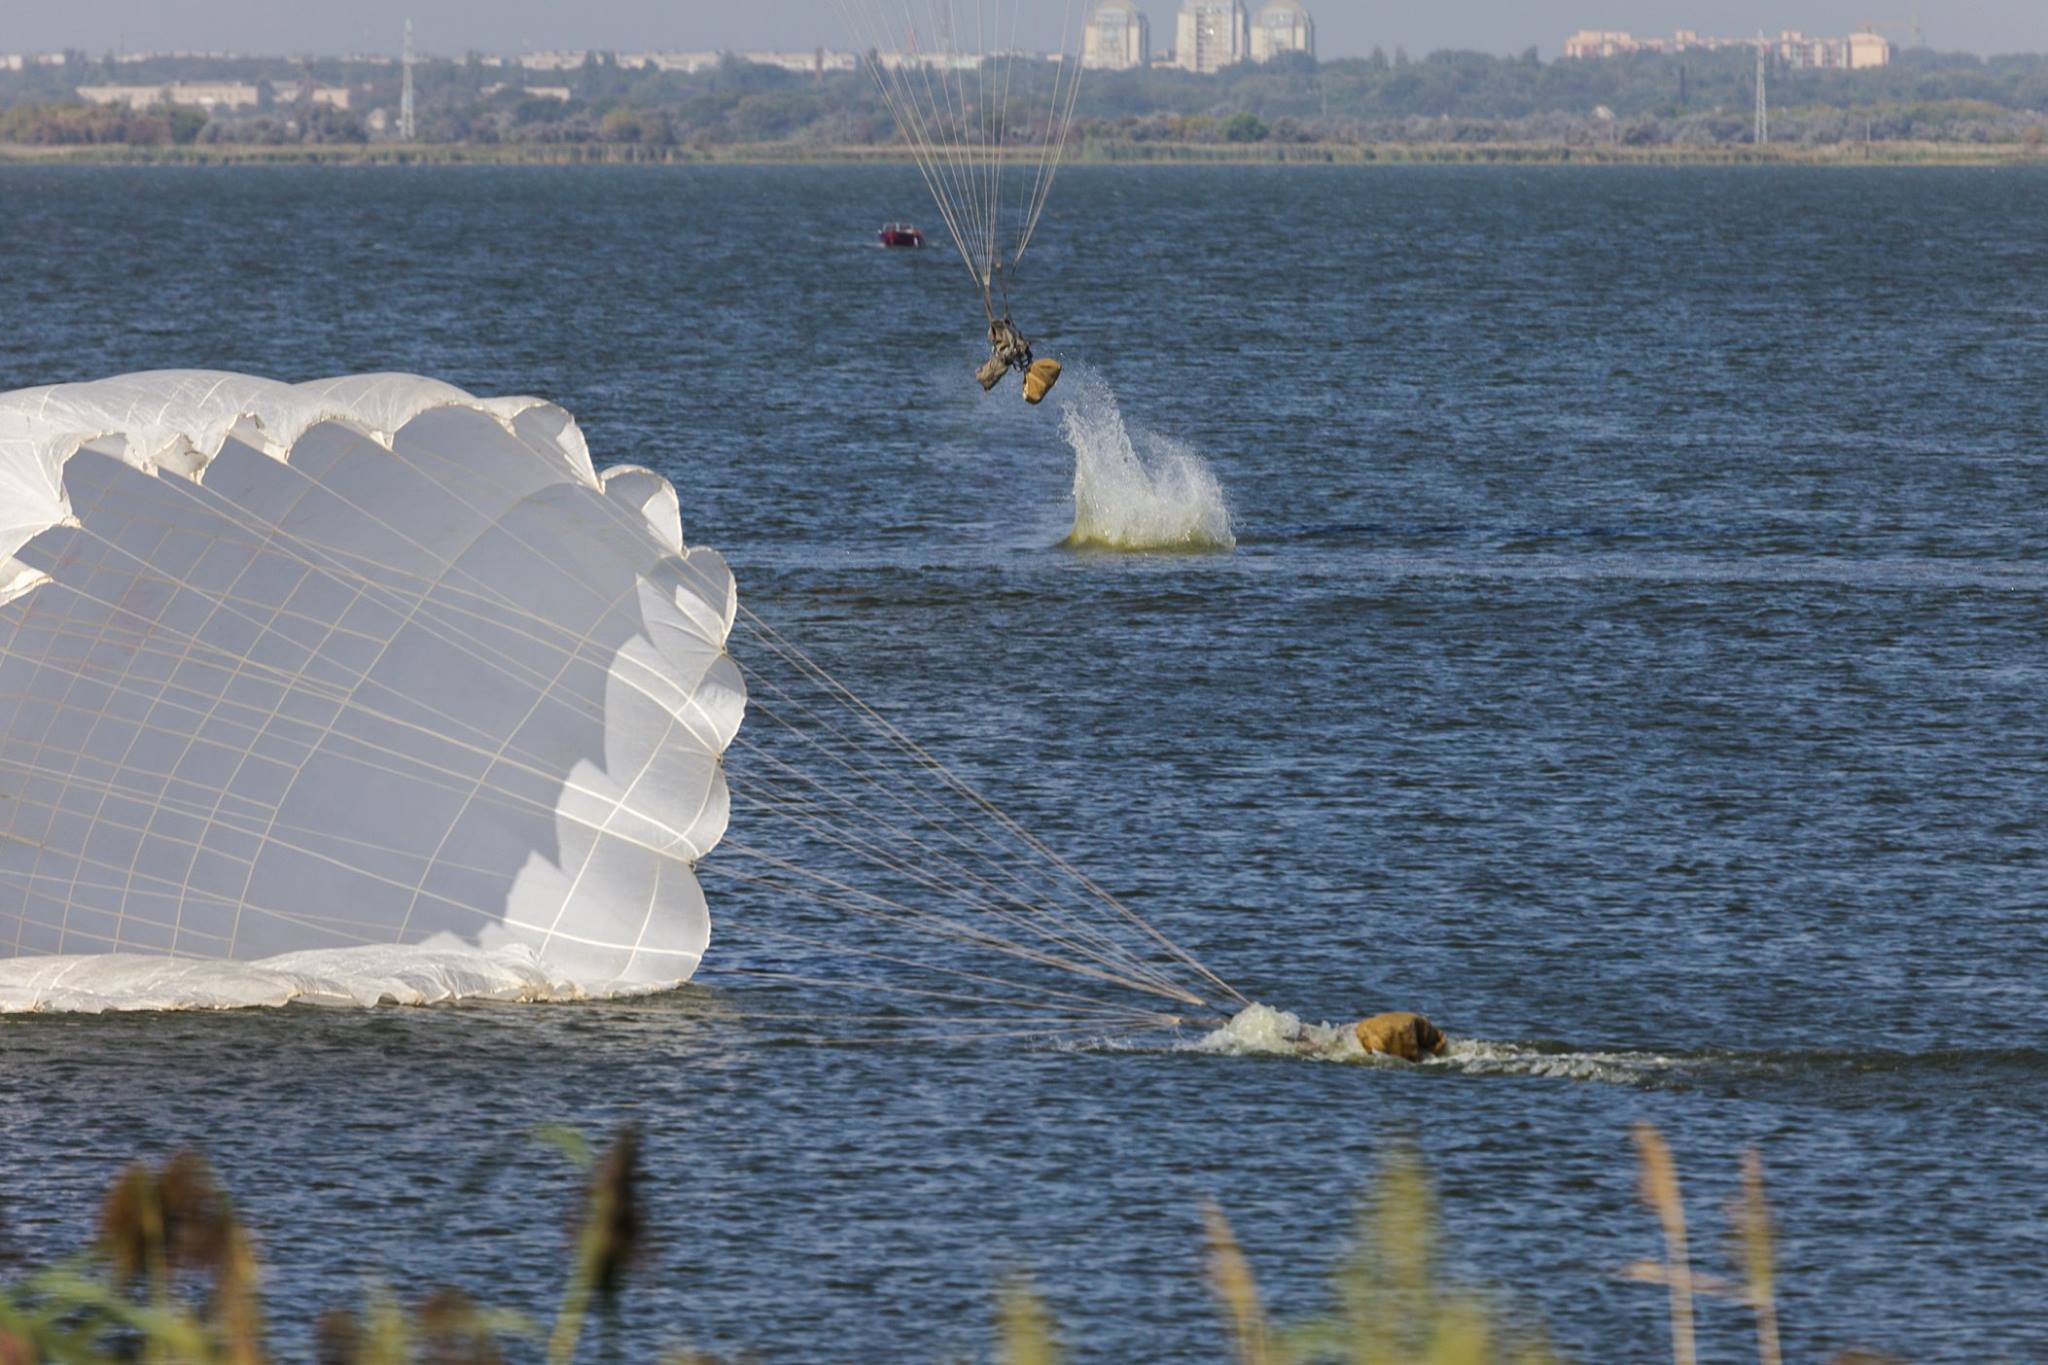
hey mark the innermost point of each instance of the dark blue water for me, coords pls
(1633, 656)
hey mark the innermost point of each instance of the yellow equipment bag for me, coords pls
(1039, 379)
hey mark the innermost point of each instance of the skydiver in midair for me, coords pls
(1008, 350)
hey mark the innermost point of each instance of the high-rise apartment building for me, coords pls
(1119, 37)
(1211, 35)
(1280, 27)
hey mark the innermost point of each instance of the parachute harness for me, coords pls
(1008, 349)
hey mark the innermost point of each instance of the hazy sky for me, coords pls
(1344, 27)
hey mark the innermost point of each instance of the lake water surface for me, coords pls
(1634, 655)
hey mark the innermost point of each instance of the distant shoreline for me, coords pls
(1093, 153)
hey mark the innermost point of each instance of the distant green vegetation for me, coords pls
(1694, 99)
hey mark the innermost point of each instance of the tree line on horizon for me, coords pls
(1695, 97)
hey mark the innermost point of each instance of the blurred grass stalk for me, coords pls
(175, 1280)
(1659, 1188)
(1394, 1306)
(1754, 1249)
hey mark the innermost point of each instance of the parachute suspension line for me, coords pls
(984, 87)
(1059, 125)
(1090, 1002)
(973, 130)
(891, 911)
(1079, 1032)
(1027, 1007)
(1055, 144)
(923, 758)
(1085, 940)
(939, 770)
(264, 616)
(909, 122)
(949, 132)
(985, 155)
(1005, 868)
(989, 156)
(1116, 962)
(1105, 951)
(955, 130)
(865, 849)
(885, 911)
(1006, 56)
(969, 112)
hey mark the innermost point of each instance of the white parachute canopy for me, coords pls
(984, 107)
(371, 682)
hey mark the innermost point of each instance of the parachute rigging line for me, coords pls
(864, 824)
(924, 760)
(919, 851)
(989, 181)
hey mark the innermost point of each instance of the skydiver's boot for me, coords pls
(991, 373)
(1039, 379)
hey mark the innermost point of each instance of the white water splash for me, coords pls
(1135, 489)
(1262, 1031)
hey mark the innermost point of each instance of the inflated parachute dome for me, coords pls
(359, 689)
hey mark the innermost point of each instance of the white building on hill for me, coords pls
(193, 94)
(936, 61)
(688, 63)
(814, 62)
(1860, 51)
(552, 61)
(1604, 42)
(1857, 52)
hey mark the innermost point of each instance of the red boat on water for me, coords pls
(900, 234)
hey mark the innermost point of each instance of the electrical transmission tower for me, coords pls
(408, 129)
(1763, 107)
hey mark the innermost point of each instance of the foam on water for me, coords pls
(1262, 1031)
(1135, 489)
(1475, 1057)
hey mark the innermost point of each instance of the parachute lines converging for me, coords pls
(372, 689)
(958, 905)
(987, 123)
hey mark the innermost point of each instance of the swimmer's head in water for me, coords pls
(1400, 1034)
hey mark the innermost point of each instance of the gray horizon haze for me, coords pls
(1345, 28)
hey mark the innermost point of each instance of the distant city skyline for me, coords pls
(1345, 28)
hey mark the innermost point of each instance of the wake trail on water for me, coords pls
(1262, 1031)
(1135, 489)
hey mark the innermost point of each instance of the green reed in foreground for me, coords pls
(173, 1279)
